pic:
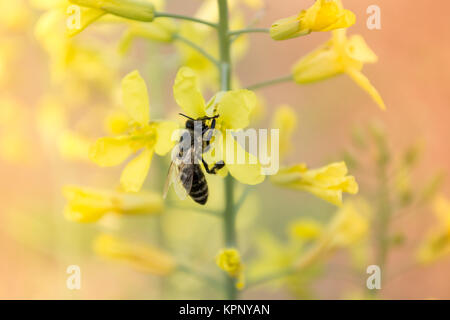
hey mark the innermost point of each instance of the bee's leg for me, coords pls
(219, 165)
(211, 130)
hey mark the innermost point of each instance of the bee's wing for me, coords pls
(173, 171)
(181, 184)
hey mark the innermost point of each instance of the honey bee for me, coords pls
(185, 172)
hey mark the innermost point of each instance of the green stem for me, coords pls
(384, 214)
(384, 218)
(270, 82)
(182, 17)
(249, 30)
(198, 48)
(225, 84)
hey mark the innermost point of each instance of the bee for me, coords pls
(185, 172)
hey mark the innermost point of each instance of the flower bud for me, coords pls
(130, 9)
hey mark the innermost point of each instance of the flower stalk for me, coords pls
(229, 215)
(270, 82)
(182, 17)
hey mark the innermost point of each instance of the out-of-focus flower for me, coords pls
(327, 183)
(130, 9)
(437, 243)
(323, 15)
(200, 35)
(160, 30)
(14, 15)
(51, 117)
(86, 65)
(87, 205)
(229, 260)
(14, 146)
(285, 119)
(305, 229)
(74, 146)
(205, 69)
(349, 225)
(141, 257)
(339, 55)
(142, 135)
(233, 108)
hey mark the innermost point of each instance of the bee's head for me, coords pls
(190, 123)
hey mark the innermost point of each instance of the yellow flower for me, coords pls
(14, 15)
(130, 9)
(74, 146)
(350, 224)
(323, 15)
(233, 109)
(229, 260)
(72, 64)
(199, 34)
(142, 257)
(160, 30)
(305, 229)
(327, 183)
(339, 55)
(437, 243)
(15, 146)
(142, 135)
(89, 205)
(285, 119)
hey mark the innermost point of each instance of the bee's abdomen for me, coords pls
(199, 190)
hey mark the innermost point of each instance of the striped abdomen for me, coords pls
(199, 188)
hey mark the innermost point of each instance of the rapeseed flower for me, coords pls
(437, 243)
(233, 109)
(349, 225)
(338, 56)
(229, 260)
(130, 9)
(87, 205)
(323, 15)
(327, 183)
(142, 135)
(140, 256)
(285, 120)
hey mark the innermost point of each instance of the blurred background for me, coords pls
(51, 111)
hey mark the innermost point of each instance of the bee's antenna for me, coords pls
(185, 116)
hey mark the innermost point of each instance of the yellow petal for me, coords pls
(249, 171)
(87, 17)
(305, 229)
(111, 151)
(117, 122)
(187, 93)
(358, 49)
(135, 97)
(134, 10)
(234, 109)
(365, 84)
(164, 142)
(86, 205)
(140, 256)
(321, 64)
(288, 28)
(134, 174)
(285, 119)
